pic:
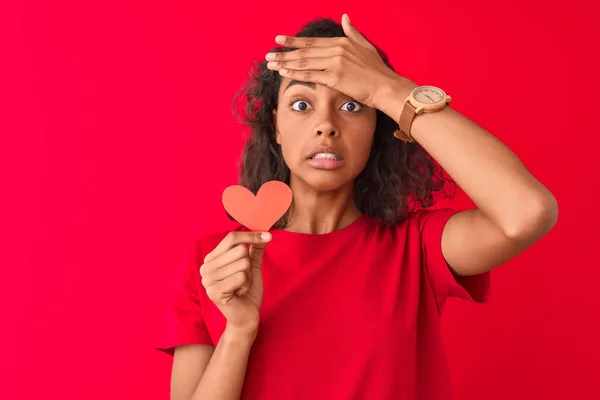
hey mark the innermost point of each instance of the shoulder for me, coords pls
(417, 222)
(425, 219)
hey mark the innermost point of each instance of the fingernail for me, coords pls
(265, 236)
(347, 17)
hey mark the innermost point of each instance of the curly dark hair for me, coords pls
(397, 178)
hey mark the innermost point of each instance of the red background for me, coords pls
(118, 139)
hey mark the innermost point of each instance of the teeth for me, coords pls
(328, 156)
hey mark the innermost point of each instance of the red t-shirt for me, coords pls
(351, 314)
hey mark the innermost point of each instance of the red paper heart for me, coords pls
(260, 212)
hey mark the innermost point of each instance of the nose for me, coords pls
(330, 133)
(326, 128)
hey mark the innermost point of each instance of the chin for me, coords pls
(326, 186)
(325, 180)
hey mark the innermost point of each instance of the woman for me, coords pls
(342, 299)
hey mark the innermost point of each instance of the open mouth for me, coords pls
(326, 161)
(326, 156)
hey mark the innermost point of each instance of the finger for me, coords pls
(245, 288)
(233, 239)
(304, 53)
(353, 33)
(241, 265)
(302, 42)
(238, 252)
(322, 77)
(231, 284)
(317, 64)
(246, 285)
(256, 252)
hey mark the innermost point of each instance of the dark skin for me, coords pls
(514, 209)
(309, 116)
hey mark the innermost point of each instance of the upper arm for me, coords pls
(189, 363)
(185, 334)
(473, 244)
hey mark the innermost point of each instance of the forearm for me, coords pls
(486, 169)
(224, 376)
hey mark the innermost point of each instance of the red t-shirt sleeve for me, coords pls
(444, 283)
(185, 323)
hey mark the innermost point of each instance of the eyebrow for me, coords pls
(302, 83)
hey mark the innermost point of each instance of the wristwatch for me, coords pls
(423, 99)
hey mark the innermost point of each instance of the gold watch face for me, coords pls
(429, 95)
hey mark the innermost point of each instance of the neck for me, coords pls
(321, 212)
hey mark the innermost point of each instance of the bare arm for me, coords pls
(514, 209)
(189, 363)
(232, 277)
(205, 373)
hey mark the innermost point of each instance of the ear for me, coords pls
(277, 135)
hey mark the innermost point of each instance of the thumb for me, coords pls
(353, 33)
(257, 250)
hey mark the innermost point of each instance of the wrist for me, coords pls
(240, 334)
(392, 96)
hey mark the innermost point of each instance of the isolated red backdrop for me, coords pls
(118, 139)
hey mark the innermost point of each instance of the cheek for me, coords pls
(291, 148)
(291, 139)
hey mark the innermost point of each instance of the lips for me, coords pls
(326, 150)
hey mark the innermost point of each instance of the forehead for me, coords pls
(288, 83)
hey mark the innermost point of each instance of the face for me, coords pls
(315, 118)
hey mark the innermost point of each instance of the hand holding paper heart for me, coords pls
(260, 212)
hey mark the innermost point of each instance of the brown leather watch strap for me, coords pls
(406, 119)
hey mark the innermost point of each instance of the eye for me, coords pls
(303, 105)
(353, 109)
